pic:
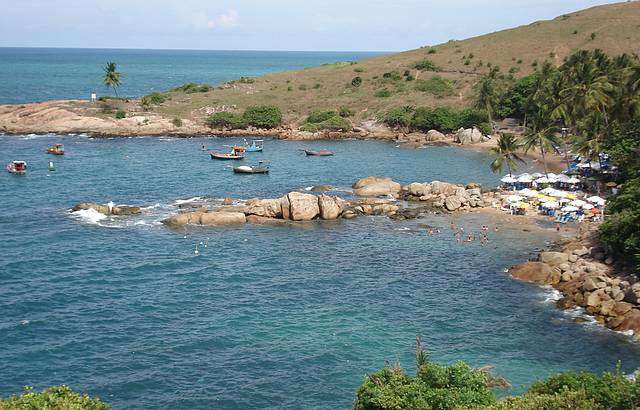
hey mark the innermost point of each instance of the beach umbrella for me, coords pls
(529, 193)
(551, 205)
(514, 198)
(544, 180)
(522, 205)
(569, 208)
(509, 180)
(559, 194)
(587, 206)
(596, 200)
(548, 190)
(572, 195)
(563, 178)
(525, 179)
(573, 180)
(612, 184)
(537, 175)
(595, 211)
(544, 198)
(564, 200)
(577, 202)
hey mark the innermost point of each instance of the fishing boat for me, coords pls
(17, 167)
(321, 153)
(255, 146)
(237, 152)
(57, 149)
(261, 168)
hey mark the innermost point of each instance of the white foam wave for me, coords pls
(89, 216)
(403, 229)
(552, 295)
(186, 201)
(309, 188)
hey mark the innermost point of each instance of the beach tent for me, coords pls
(569, 208)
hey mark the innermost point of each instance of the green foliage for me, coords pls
(265, 116)
(437, 86)
(317, 86)
(564, 400)
(356, 81)
(112, 78)
(153, 99)
(345, 112)
(506, 154)
(398, 117)
(432, 51)
(620, 232)
(384, 93)
(317, 117)
(333, 123)
(302, 87)
(246, 80)
(426, 65)
(392, 76)
(226, 120)
(120, 114)
(359, 70)
(177, 122)
(191, 88)
(441, 118)
(54, 398)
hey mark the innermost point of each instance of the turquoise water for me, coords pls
(264, 317)
(37, 74)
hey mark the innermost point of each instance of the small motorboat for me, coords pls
(321, 153)
(17, 167)
(57, 149)
(255, 146)
(237, 152)
(245, 169)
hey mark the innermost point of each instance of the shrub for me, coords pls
(392, 76)
(356, 81)
(153, 99)
(226, 120)
(384, 93)
(318, 116)
(426, 65)
(345, 112)
(620, 232)
(432, 51)
(334, 123)
(58, 397)
(302, 87)
(265, 116)
(177, 122)
(317, 86)
(359, 70)
(593, 36)
(289, 88)
(409, 78)
(120, 114)
(398, 117)
(246, 80)
(191, 88)
(437, 86)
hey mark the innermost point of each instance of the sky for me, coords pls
(320, 25)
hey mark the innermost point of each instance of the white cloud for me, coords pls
(225, 21)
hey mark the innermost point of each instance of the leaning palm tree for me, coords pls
(506, 153)
(541, 136)
(111, 77)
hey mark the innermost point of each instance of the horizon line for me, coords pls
(200, 49)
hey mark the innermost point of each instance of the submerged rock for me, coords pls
(108, 210)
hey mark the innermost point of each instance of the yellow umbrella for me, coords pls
(523, 205)
(572, 196)
(612, 184)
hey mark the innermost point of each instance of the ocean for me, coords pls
(270, 317)
(39, 74)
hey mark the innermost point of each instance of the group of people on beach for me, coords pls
(459, 234)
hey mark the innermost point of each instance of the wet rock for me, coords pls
(631, 321)
(322, 188)
(121, 210)
(536, 272)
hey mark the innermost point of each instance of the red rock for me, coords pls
(536, 272)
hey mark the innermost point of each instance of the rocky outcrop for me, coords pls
(270, 208)
(302, 207)
(376, 186)
(330, 207)
(554, 258)
(203, 217)
(120, 210)
(446, 196)
(536, 272)
(468, 136)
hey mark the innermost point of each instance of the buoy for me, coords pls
(51, 167)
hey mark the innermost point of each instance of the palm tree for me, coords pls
(542, 136)
(487, 93)
(111, 77)
(506, 153)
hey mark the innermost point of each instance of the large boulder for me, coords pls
(631, 321)
(107, 209)
(270, 208)
(376, 186)
(330, 207)
(302, 207)
(468, 136)
(222, 218)
(452, 203)
(261, 220)
(444, 188)
(554, 258)
(434, 135)
(536, 272)
(187, 218)
(418, 189)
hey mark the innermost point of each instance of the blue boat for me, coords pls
(255, 146)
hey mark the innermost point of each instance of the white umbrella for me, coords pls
(584, 165)
(559, 194)
(529, 193)
(509, 180)
(577, 202)
(573, 180)
(543, 180)
(525, 179)
(563, 200)
(596, 200)
(536, 175)
(563, 178)
(587, 206)
(569, 208)
(551, 205)
(514, 198)
(548, 191)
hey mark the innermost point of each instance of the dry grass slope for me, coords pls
(615, 28)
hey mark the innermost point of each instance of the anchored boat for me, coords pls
(261, 168)
(237, 152)
(17, 167)
(57, 149)
(321, 153)
(255, 146)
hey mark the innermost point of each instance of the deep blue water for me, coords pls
(265, 317)
(38, 74)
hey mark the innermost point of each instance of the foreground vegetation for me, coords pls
(459, 386)
(53, 398)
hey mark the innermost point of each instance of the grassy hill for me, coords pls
(458, 65)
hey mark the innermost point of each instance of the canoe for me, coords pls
(244, 169)
(321, 153)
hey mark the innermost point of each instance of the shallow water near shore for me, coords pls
(265, 317)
